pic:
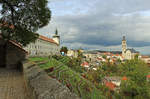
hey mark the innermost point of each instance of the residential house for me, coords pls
(146, 59)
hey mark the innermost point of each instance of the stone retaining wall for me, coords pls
(40, 86)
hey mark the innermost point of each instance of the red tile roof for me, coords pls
(85, 64)
(145, 57)
(110, 85)
(99, 58)
(117, 54)
(47, 39)
(148, 76)
(124, 78)
(16, 44)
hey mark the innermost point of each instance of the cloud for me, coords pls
(101, 23)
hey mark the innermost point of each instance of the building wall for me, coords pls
(56, 39)
(14, 56)
(2, 60)
(72, 53)
(128, 55)
(11, 56)
(42, 48)
(146, 60)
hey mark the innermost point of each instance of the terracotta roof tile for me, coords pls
(110, 85)
(148, 76)
(85, 64)
(18, 45)
(47, 39)
(124, 78)
(145, 57)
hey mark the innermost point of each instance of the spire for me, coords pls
(56, 37)
(56, 32)
(124, 38)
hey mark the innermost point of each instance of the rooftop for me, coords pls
(133, 50)
(47, 39)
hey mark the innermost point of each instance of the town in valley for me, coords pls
(72, 49)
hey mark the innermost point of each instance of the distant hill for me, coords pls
(95, 51)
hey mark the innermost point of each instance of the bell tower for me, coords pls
(56, 37)
(124, 46)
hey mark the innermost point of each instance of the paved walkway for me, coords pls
(11, 85)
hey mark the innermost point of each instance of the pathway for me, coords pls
(11, 85)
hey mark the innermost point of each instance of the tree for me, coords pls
(104, 56)
(80, 56)
(64, 49)
(20, 19)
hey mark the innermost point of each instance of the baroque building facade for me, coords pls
(44, 46)
(127, 53)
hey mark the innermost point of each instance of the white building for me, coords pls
(44, 46)
(128, 53)
(72, 53)
(146, 59)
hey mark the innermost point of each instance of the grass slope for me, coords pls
(73, 80)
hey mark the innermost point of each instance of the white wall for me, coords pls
(42, 48)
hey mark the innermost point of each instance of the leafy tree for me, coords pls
(20, 19)
(80, 56)
(104, 56)
(136, 56)
(64, 49)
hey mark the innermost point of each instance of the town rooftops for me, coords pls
(145, 56)
(110, 85)
(110, 79)
(47, 39)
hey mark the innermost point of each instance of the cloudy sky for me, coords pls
(100, 24)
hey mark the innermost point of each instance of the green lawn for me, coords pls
(36, 59)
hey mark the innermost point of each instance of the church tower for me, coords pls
(124, 46)
(56, 37)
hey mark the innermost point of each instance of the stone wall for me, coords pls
(41, 86)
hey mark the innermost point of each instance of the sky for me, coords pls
(100, 24)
